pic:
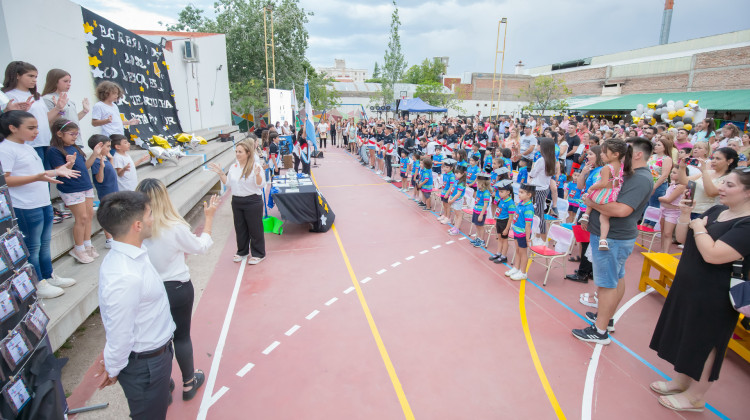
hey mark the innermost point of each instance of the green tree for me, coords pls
(435, 94)
(190, 19)
(545, 93)
(393, 61)
(430, 71)
(376, 71)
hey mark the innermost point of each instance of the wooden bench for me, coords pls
(666, 266)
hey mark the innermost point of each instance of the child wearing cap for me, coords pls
(449, 184)
(425, 182)
(522, 231)
(506, 208)
(455, 201)
(481, 205)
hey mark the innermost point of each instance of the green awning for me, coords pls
(719, 100)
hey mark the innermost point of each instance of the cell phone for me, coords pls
(690, 191)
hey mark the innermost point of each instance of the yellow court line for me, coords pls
(352, 185)
(534, 355)
(373, 328)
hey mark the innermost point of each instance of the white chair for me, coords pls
(548, 253)
(651, 217)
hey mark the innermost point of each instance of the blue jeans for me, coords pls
(36, 226)
(658, 192)
(609, 266)
(42, 152)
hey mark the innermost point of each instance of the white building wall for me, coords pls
(202, 81)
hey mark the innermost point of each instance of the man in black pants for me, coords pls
(134, 309)
(388, 139)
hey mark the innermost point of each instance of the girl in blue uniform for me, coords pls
(481, 206)
(506, 208)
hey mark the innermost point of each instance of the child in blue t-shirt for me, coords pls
(573, 196)
(449, 183)
(506, 208)
(456, 200)
(561, 179)
(507, 154)
(522, 231)
(488, 159)
(481, 206)
(471, 172)
(523, 171)
(437, 160)
(104, 174)
(404, 166)
(76, 193)
(425, 182)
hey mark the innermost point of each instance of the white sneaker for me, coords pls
(57, 281)
(511, 272)
(108, 244)
(519, 275)
(81, 257)
(45, 290)
(92, 252)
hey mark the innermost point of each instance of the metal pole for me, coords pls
(502, 61)
(494, 73)
(265, 51)
(273, 52)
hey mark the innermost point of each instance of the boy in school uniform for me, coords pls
(522, 231)
(425, 182)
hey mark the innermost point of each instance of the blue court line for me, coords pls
(709, 407)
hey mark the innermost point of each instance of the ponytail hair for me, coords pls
(624, 152)
(12, 118)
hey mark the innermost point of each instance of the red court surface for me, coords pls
(289, 338)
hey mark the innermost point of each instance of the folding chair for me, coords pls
(561, 203)
(652, 215)
(563, 239)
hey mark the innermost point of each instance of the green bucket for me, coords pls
(273, 225)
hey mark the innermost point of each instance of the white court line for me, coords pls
(349, 290)
(365, 280)
(588, 387)
(462, 238)
(381, 271)
(208, 397)
(312, 314)
(449, 242)
(410, 257)
(242, 372)
(396, 264)
(218, 395)
(423, 252)
(436, 247)
(330, 302)
(270, 348)
(292, 330)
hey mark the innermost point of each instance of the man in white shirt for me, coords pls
(528, 143)
(134, 309)
(323, 132)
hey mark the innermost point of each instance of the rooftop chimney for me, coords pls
(519, 67)
(666, 22)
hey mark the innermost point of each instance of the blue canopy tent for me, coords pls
(418, 105)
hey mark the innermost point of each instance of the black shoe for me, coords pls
(591, 316)
(591, 335)
(171, 385)
(501, 260)
(577, 278)
(494, 257)
(197, 382)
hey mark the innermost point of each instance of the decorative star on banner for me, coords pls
(102, 46)
(97, 73)
(323, 219)
(90, 38)
(100, 52)
(95, 24)
(94, 61)
(141, 109)
(88, 28)
(114, 51)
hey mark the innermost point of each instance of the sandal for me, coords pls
(584, 300)
(237, 258)
(671, 402)
(603, 245)
(574, 259)
(584, 222)
(255, 260)
(56, 220)
(197, 381)
(662, 388)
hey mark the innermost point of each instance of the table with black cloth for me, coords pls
(301, 202)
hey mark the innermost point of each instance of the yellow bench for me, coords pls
(666, 266)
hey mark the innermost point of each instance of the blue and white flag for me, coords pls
(309, 126)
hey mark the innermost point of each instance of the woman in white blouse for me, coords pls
(170, 240)
(245, 179)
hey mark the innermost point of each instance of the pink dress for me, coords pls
(671, 214)
(608, 195)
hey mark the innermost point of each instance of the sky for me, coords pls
(539, 32)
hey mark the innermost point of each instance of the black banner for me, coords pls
(138, 65)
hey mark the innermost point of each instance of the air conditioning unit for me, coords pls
(190, 51)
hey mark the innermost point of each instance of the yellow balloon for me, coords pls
(653, 121)
(688, 127)
(652, 105)
(636, 119)
(681, 112)
(671, 114)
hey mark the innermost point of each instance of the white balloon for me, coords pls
(670, 108)
(679, 124)
(639, 108)
(689, 114)
(679, 104)
(633, 113)
(670, 103)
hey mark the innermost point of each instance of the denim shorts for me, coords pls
(609, 266)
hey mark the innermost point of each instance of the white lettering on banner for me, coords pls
(140, 117)
(136, 100)
(134, 60)
(106, 32)
(110, 73)
(169, 120)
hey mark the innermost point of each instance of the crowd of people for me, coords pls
(514, 169)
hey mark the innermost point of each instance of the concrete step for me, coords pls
(70, 310)
(169, 173)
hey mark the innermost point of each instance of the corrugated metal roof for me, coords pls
(719, 100)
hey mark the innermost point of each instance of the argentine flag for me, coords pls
(309, 126)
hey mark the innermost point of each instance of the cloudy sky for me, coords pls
(539, 31)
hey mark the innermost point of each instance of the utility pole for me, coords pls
(666, 22)
(495, 109)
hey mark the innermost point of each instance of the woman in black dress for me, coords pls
(697, 320)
